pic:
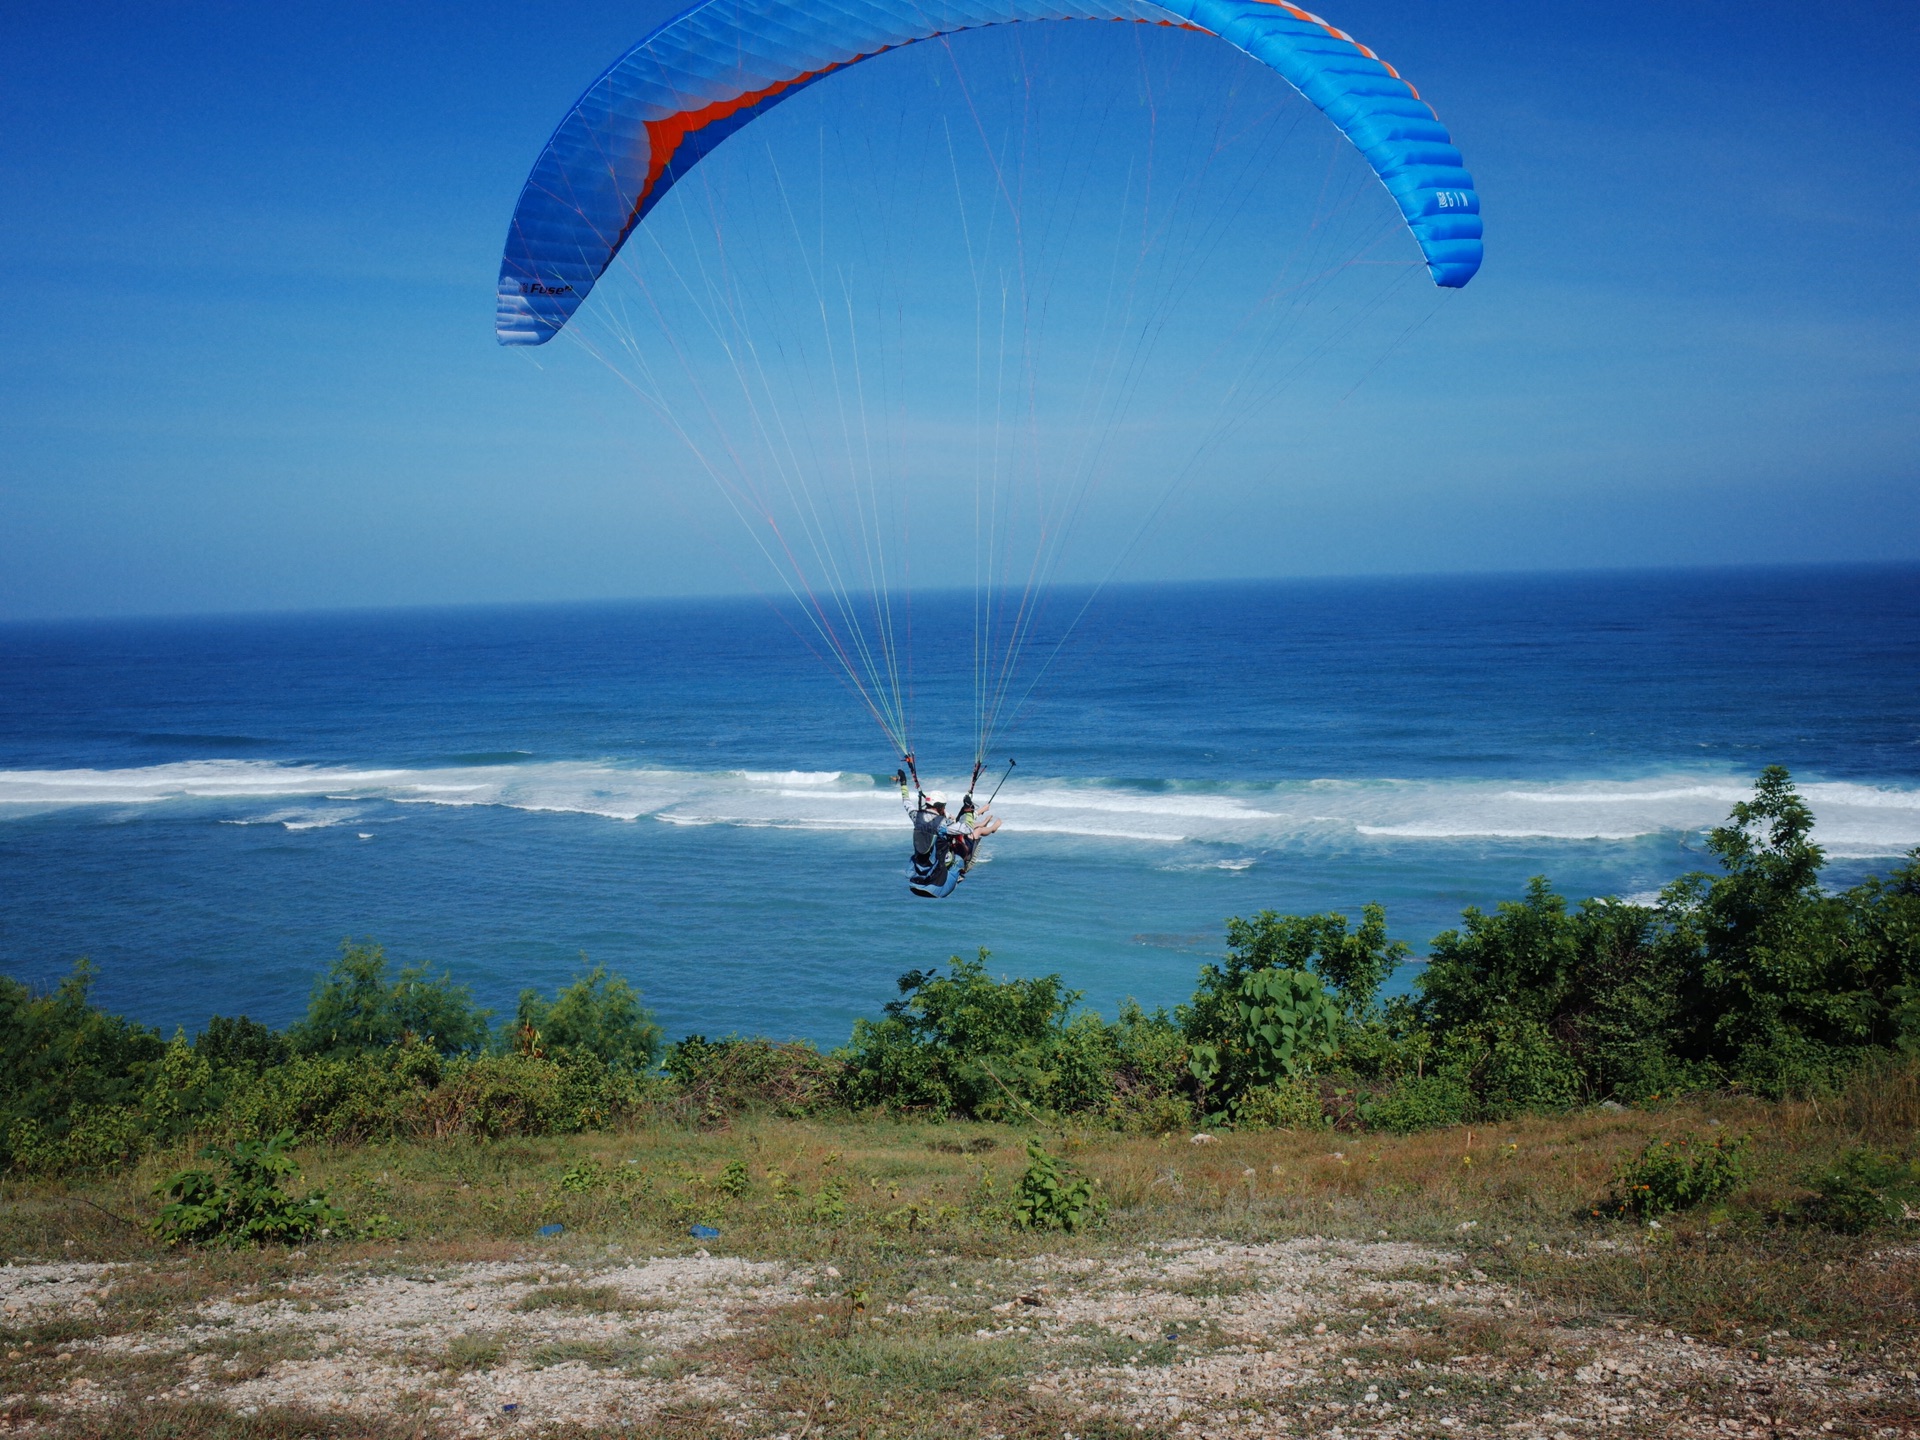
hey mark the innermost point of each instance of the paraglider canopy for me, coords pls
(715, 68)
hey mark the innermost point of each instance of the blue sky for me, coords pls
(250, 365)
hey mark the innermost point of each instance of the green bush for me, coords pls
(503, 1095)
(1052, 1197)
(1290, 1104)
(1352, 964)
(967, 1044)
(340, 1100)
(719, 1078)
(1862, 1191)
(1418, 1102)
(1755, 978)
(1787, 988)
(1147, 1083)
(1290, 992)
(1669, 1176)
(248, 1206)
(241, 1045)
(1510, 1065)
(1536, 1005)
(599, 1013)
(83, 1090)
(1140, 1111)
(356, 1009)
(71, 1076)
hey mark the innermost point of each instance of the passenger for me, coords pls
(939, 842)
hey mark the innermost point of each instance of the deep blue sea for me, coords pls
(682, 792)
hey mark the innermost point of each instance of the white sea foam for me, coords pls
(1854, 819)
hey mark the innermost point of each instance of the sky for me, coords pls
(250, 362)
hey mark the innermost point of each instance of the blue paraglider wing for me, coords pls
(701, 76)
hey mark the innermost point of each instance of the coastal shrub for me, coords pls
(339, 1099)
(241, 1045)
(1418, 1102)
(966, 1044)
(1788, 987)
(1884, 937)
(598, 1013)
(1081, 1072)
(180, 1092)
(1249, 1029)
(1754, 978)
(1290, 1104)
(1352, 964)
(1290, 991)
(718, 1078)
(1863, 1190)
(247, 1206)
(1051, 1196)
(498, 1096)
(1147, 1083)
(1510, 1065)
(1669, 1176)
(1559, 1002)
(1140, 1111)
(357, 1009)
(67, 1066)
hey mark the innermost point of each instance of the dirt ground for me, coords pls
(1191, 1338)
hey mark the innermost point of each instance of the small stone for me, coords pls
(1321, 1328)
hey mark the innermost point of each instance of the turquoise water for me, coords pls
(682, 792)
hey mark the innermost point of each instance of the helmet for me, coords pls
(934, 797)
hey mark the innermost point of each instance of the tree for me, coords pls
(1352, 964)
(598, 1013)
(60, 1058)
(1292, 988)
(1773, 1002)
(966, 1043)
(355, 1008)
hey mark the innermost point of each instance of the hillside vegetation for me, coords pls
(1751, 980)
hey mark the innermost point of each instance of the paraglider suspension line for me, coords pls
(1003, 780)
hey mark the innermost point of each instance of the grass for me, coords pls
(476, 1350)
(597, 1298)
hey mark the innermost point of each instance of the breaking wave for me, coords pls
(1856, 820)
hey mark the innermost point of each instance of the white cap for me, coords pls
(935, 797)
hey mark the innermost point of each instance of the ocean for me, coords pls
(682, 792)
